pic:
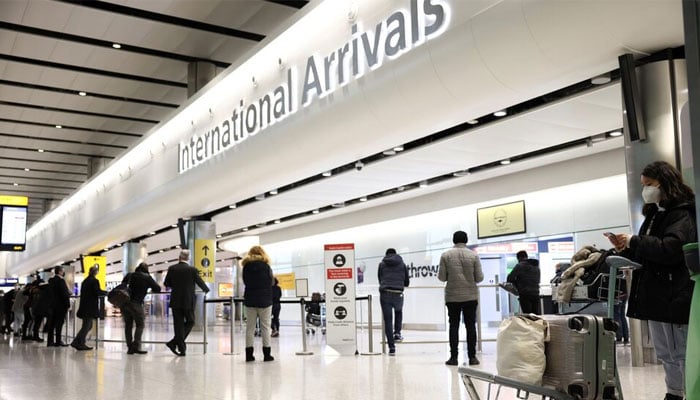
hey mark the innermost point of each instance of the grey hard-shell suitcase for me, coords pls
(581, 356)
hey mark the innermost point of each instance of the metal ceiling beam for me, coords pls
(70, 127)
(79, 112)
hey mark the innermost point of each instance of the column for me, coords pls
(199, 73)
(95, 165)
(134, 253)
(201, 241)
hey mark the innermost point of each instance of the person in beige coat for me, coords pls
(461, 269)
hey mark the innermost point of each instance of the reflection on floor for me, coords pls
(33, 371)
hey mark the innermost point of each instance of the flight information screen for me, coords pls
(13, 231)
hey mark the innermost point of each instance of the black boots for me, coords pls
(670, 396)
(266, 353)
(249, 354)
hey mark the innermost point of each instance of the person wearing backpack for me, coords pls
(139, 282)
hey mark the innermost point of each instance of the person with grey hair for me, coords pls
(138, 282)
(181, 279)
(89, 308)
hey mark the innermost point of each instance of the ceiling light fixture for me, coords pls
(601, 79)
(219, 236)
(473, 121)
(232, 206)
(338, 205)
(27, 169)
(277, 221)
(314, 211)
(398, 148)
(363, 199)
(273, 192)
(423, 184)
(15, 184)
(116, 45)
(615, 133)
(463, 172)
(173, 225)
(82, 94)
(260, 197)
(389, 152)
(327, 173)
(501, 113)
(161, 251)
(151, 233)
(59, 126)
(245, 229)
(40, 150)
(505, 162)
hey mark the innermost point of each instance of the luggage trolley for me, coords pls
(523, 390)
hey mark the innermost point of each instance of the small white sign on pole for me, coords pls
(339, 261)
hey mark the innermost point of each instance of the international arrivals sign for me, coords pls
(365, 50)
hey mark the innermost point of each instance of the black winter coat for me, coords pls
(89, 298)
(258, 280)
(662, 288)
(525, 276)
(139, 283)
(392, 273)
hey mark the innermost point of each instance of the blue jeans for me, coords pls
(670, 343)
(622, 329)
(392, 306)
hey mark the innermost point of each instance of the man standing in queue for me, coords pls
(181, 279)
(393, 277)
(139, 282)
(60, 303)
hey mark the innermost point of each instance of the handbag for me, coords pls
(120, 295)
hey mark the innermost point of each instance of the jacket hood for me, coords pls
(252, 257)
(392, 260)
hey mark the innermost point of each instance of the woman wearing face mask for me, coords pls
(661, 290)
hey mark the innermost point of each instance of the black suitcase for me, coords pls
(581, 356)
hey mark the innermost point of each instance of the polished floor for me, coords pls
(34, 371)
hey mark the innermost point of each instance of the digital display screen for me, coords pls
(13, 216)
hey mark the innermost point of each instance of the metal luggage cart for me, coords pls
(524, 390)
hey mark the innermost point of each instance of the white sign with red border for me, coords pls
(339, 262)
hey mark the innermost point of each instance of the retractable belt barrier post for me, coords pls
(204, 323)
(304, 351)
(371, 351)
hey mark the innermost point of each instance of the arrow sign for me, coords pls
(205, 258)
(206, 250)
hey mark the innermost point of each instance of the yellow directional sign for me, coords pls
(287, 281)
(101, 262)
(205, 258)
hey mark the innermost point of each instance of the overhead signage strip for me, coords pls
(366, 50)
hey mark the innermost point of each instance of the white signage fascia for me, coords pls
(366, 49)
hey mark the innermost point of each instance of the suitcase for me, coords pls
(581, 356)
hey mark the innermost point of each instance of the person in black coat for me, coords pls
(392, 275)
(181, 279)
(525, 276)
(662, 289)
(258, 278)
(139, 282)
(90, 293)
(60, 303)
(276, 308)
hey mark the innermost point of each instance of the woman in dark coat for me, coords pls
(257, 277)
(89, 307)
(662, 289)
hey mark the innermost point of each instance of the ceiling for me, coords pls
(51, 50)
(52, 138)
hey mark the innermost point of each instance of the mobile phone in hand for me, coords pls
(609, 235)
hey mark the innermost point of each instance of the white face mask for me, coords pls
(651, 194)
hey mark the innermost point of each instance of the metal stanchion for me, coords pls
(232, 318)
(371, 351)
(204, 323)
(304, 351)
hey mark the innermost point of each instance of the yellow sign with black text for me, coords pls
(205, 258)
(101, 262)
(287, 281)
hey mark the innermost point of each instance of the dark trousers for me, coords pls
(83, 332)
(455, 312)
(55, 323)
(622, 328)
(392, 310)
(133, 315)
(529, 304)
(183, 321)
(276, 308)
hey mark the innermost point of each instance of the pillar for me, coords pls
(199, 73)
(134, 253)
(201, 241)
(95, 165)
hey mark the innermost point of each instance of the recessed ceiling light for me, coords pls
(338, 205)
(505, 162)
(463, 172)
(40, 150)
(173, 226)
(27, 169)
(277, 221)
(314, 211)
(106, 249)
(245, 229)
(327, 173)
(219, 236)
(501, 113)
(161, 250)
(363, 199)
(15, 184)
(389, 152)
(232, 206)
(59, 126)
(473, 121)
(116, 45)
(273, 192)
(423, 184)
(398, 148)
(615, 133)
(151, 233)
(82, 94)
(601, 79)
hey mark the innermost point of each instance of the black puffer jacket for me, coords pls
(662, 289)
(258, 280)
(526, 277)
